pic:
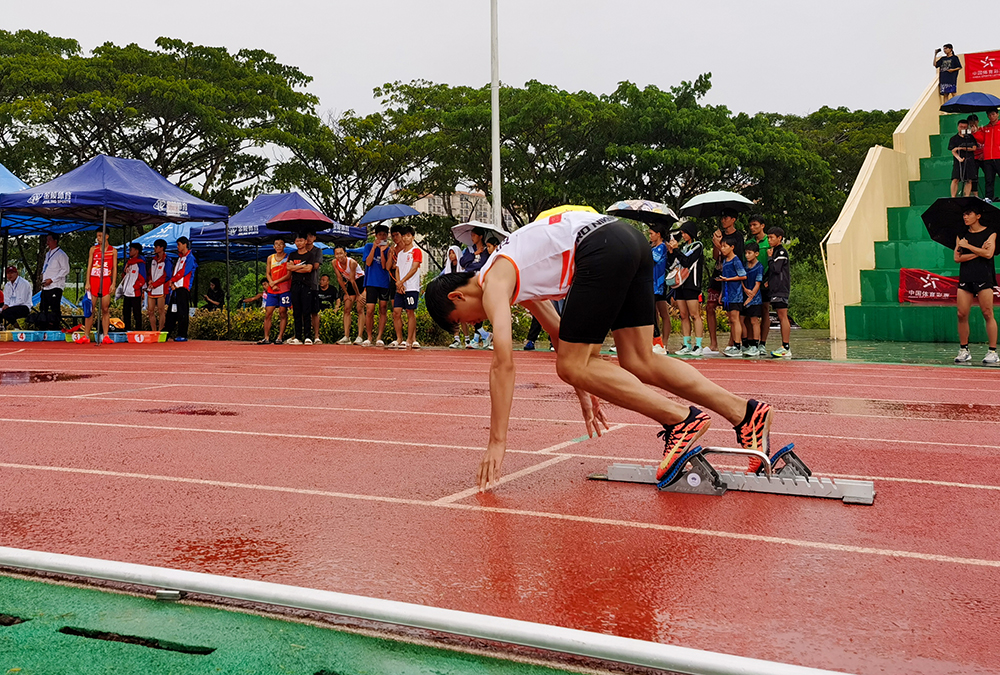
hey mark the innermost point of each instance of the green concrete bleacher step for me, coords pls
(896, 322)
(905, 224)
(880, 315)
(924, 255)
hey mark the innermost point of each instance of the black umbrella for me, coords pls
(945, 223)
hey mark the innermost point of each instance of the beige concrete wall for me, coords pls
(883, 182)
(850, 244)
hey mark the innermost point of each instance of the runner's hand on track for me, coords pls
(593, 415)
(489, 467)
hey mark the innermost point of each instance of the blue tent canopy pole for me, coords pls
(229, 284)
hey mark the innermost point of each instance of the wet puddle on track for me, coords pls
(9, 378)
(208, 412)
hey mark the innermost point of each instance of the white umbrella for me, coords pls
(714, 203)
(463, 231)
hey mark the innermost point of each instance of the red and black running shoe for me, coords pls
(753, 433)
(680, 438)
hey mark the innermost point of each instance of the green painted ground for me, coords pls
(241, 643)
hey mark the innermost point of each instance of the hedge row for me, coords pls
(247, 325)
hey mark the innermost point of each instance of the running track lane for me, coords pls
(865, 589)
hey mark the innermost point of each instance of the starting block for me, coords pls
(783, 474)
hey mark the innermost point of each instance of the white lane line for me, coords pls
(458, 496)
(235, 432)
(559, 446)
(119, 391)
(589, 520)
(529, 470)
(16, 351)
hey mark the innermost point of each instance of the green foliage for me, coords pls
(808, 301)
(842, 137)
(193, 113)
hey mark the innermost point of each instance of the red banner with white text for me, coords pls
(921, 286)
(982, 66)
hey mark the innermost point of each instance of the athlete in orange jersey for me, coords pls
(103, 276)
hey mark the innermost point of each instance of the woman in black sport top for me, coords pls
(976, 279)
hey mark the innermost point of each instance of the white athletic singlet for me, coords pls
(542, 254)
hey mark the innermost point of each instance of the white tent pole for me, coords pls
(495, 108)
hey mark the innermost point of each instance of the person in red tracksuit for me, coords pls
(989, 136)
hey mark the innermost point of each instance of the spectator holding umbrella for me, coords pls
(976, 277)
(963, 170)
(948, 67)
(989, 137)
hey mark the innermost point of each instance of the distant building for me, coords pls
(464, 206)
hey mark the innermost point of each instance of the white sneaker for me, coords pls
(684, 351)
(415, 345)
(752, 351)
(659, 349)
(697, 351)
(708, 351)
(733, 351)
(488, 341)
(614, 350)
(358, 340)
(474, 343)
(366, 343)
(963, 356)
(404, 345)
(293, 341)
(344, 341)
(317, 341)
(991, 358)
(393, 345)
(552, 348)
(308, 341)
(380, 344)
(457, 344)
(782, 353)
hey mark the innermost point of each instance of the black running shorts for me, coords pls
(612, 287)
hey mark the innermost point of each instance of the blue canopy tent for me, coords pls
(8, 183)
(207, 251)
(104, 191)
(250, 225)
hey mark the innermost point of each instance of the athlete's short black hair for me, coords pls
(185, 241)
(135, 246)
(777, 232)
(439, 304)
(162, 243)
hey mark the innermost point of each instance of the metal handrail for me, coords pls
(540, 636)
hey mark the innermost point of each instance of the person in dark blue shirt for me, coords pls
(752, 308)
(732, 276)
(374, 255)
(948, 67)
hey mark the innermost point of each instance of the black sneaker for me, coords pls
(265, 341)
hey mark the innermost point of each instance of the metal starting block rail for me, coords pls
(783, 474)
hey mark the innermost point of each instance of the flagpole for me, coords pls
(495, 108)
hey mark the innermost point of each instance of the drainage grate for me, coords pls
(152, 643)
(10, 620)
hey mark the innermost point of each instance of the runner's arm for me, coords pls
(496, 303)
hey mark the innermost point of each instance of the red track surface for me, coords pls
(350, 470)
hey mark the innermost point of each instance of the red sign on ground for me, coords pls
(982, 66)
(921, 286)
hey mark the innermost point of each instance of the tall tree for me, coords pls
(198, 115)
(352, 163)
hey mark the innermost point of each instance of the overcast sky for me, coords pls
(771, 55)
